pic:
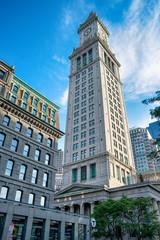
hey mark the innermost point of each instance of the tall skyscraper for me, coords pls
(142, 145)
(154, 130)
(97, 142)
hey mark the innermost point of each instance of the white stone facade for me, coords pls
(97, 142)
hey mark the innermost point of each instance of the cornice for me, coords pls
(29, 118)
(90, 42)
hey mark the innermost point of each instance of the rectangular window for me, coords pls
(83, 173)
(105, 57)
(84, 59)
(1, 74)
(118, 173)
(74, 175)
(123, 176)
(93, 170)
(90, 55)
(24, 106)
(92, 151)
(78, 63)
(35, 102)
(25, 96)
(13, 99)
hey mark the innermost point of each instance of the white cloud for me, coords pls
(137, 47)
(64, 98)
(61, 60)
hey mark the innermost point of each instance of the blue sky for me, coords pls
(38, 36)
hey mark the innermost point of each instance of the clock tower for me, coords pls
(92, 27)
(97, 142)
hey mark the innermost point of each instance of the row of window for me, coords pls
(35, 101)
(18, 196)
(22, 173)
(82, 60)
(18, 127)
(92, 151)
(84, 173)
(119, 174)
(84, 134)
(26, 150)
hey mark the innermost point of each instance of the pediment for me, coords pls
(76, 189)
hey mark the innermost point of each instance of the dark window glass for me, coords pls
(83, 173)
(35, 102)
(15, 89)
(74, 175)
(26, 150)
(45, 180)
(18, 126)
(84, 59)
(53, 113)
(4, 192)
(35, 112)
(90, 55)
(29, 132)
(6, 120)
(25, 96)
(9, 168)
(31, 198)
(37, 155)
(78, 63)
(44, 117)
(18, 196)
(43, 201)
(34, 176)
(44, 108)
(93, 170)
(13, 99)
(14, 145)
(49, 142)
(2, 139)
(22, 172)
(24, 106)
(47, 159)
(39, 137)
(1, 74)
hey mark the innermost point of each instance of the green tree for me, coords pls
(115, 219)
(155, 113)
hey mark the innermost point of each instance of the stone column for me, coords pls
(158, 206)
(75, 230)
(92, 207)
(72, 208)
(155, 207)
(81, 208)
(29, 223)
(8, 221)
(62, 234)
(47, 226)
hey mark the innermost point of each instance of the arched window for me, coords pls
(31, 198)
(43, 201)
(47, 159)
(45, 180)
(26, 150)
(22, 172)
(49, 142)
(18, 195)
(29, 132)
(34, 176)
(6, 120)
(18, 127)
(39, 137)
(4, 192)
(14, 145)
(37, 154)
(9, 168)
(2, 139)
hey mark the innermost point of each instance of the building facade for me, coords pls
(142, 145)
(97, 143)
(29, 134)
(154, 130)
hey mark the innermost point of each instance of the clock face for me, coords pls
(86, 33)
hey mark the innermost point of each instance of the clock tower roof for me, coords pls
(92, 16)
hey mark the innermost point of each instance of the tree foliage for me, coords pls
(115, 219)
(155, 113)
